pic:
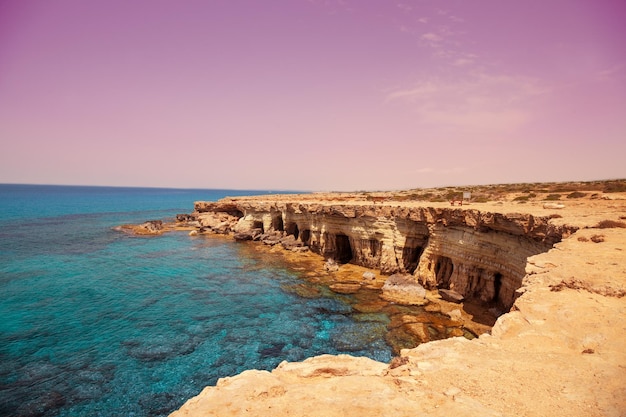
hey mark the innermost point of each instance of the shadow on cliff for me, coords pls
(480, 313)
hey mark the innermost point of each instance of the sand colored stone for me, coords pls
(560, 351)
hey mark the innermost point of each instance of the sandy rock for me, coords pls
(369, 276)
(403, 289)
(455, 315)
(345, 287)
(331, 266)
(553, 206)
(560, 352)
(451, 295)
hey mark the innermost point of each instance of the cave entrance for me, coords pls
(258, 225)
(411, 258)
(343, 252)
(443, 271)
(277, 222)
(292, 229)
(305, 236)
(497, 286)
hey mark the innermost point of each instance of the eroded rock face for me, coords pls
(480, 255)
(559, 353)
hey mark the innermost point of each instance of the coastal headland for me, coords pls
(547, 260)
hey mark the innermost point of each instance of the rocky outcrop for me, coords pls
(479, 255)
(560, 352)
(150, 227)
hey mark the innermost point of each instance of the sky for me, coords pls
(325, 95)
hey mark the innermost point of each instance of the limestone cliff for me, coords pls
(558, 352)
(481, 255)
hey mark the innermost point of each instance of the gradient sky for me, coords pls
(316, 95)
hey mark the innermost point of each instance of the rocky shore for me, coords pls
(558, 271)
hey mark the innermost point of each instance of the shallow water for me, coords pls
(97, 322)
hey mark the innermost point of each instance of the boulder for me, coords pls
(451, 295)
(403, 289)
(290, 243)
(241, 236)
(345, 287)
(186, 218)
(222, 228)
(331, 266)
(369, 276)
(456, 315)
(252, 234)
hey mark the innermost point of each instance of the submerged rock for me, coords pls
(186, 218)
(345, 287)
(153, 226)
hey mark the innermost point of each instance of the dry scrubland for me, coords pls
(559, 351)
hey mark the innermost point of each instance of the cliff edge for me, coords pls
(558, 351)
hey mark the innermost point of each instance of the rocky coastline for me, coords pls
(556, 271)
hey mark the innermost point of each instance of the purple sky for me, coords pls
(317, 94)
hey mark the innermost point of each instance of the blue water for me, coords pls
(95, 322)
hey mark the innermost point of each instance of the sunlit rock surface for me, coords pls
(559, 351)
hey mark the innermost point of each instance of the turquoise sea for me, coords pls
(95, 322)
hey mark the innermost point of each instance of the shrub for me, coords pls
(610, 224)
(615, 187)
(597, 238)
(576, 194)
(522, 198)
(552, 197)
(480, 199)
(454, 195)
(583, 239)
(437, 199)
(566, 188)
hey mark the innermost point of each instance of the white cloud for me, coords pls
(462, 62)
(420, 91)
(478, 103)
(609, 73)
(431, 37)
(405, 7)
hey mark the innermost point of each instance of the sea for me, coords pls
(97, 322)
